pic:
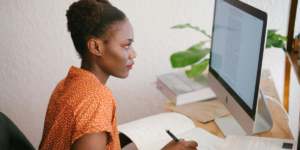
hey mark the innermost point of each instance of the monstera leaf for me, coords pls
(190, 56)
(275, 40)
(197, 69)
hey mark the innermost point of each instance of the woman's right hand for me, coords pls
(182, 145)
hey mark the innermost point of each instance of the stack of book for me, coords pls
(183, 90)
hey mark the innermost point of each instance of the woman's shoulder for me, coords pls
(81, 87)
(88, 90)
(93, 85)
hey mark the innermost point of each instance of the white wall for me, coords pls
(37, 52)
(294, 104)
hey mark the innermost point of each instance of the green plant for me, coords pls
(194, 55)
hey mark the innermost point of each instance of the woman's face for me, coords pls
(117, 56)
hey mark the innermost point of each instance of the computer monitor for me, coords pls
(238, 42)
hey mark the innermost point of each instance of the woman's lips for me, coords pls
(130, 66)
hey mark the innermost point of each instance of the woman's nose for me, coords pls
(132, 54)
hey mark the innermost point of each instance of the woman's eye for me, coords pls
(127, 46)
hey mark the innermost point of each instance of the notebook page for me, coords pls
(205, 140)
(152, 129)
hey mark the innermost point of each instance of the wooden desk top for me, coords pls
(280, 127)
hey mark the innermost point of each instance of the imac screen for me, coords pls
(236, 49)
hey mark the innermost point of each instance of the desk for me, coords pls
(280, 127)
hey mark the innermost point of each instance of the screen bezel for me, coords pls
(262, 16)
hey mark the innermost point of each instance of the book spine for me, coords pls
(166, 91)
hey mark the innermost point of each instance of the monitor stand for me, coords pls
(263, 120)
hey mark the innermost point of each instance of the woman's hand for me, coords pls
(182, 145)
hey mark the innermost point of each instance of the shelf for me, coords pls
(293, 57)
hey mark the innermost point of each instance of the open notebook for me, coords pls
(150, 133)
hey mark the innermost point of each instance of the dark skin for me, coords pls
(116, 59)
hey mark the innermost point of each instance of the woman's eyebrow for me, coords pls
(127, 42)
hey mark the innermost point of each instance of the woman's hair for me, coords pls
(92, 17)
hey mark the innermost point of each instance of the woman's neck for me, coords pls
(93, 68)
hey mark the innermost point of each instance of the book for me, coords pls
(183, 90)
(150, 133)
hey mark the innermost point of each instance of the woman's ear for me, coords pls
(95, 46)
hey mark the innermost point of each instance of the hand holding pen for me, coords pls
(180, 144)
(172, 136)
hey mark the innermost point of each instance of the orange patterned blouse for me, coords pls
(79, 105)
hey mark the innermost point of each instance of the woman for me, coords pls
(81, 113)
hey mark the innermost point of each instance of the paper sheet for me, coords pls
(203, 111)
(237, 142)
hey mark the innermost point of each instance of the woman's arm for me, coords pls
(93, 141)
(124, 140)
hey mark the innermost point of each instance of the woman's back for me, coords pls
(79, 105)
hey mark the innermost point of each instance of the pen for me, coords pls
(173, 137)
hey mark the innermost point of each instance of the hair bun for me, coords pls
(84, 15)
(104, 1)
(92, 17)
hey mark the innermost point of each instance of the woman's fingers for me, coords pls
(191, 144)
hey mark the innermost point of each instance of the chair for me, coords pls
(11, 138)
